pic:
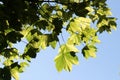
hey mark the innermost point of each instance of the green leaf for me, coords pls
(112, 23)
(106, 24)
(16, 36)
(65, 58)
(15, 73)
(26, 30)
(67, 15)
(30, 51)
(102, 22)
(34, 33)
(59, 13)
(22, 66)
(42, 24)
(71, 56)
(88, 36)
(58, 23)
(78, 24)
(89, 51)
(95, 40)
(6, 73)
(7, 62)
(104, 11)
(90, 9)
(68, 48)
(53, 44)
(60, 62)
(44, 41)
(80, 8)
(74, 39)
(65, 61)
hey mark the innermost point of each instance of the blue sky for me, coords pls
(106, 66)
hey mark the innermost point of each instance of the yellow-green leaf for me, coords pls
(65, 60)
(89, 51)
(15, 73)
(78, 24)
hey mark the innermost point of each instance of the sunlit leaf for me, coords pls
(64, 60)
(89, 51)
(79, 24)
(53, 44)
(23, 65)
(15, 73)
(74, 39)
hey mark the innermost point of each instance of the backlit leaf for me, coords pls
(64, 60)
(89, 51)
(53, 44)
(15, 73)
(79, 24)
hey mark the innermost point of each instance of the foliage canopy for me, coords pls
(40, 22)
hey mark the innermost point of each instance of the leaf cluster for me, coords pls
(39, 23)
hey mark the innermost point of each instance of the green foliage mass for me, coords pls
(40, 22)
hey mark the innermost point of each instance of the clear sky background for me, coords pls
(106, 66)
